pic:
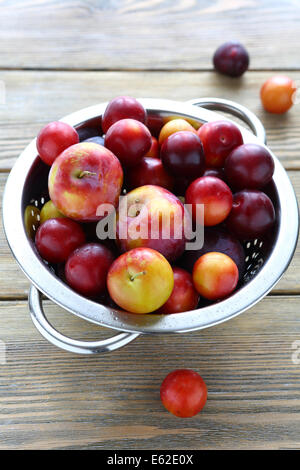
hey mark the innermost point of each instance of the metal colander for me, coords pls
(266, 259)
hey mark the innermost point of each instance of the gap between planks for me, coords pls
(137, 70)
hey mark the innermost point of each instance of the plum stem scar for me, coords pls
(84, 173)
(133, 276)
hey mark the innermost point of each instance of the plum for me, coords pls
(216, 239)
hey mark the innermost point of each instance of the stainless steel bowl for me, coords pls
(266, 259)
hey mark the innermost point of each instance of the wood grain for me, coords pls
(50, 399)
(14, 284)
(59, 56)
(36, 98)
(147, 34)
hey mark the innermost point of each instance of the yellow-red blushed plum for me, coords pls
(152, 217)
(215, 275)
(175, 125)
(140, 281)
(84, 177)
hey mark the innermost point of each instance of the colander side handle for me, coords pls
(236, 109)
(71, 345)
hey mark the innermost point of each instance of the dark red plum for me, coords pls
(182, 154)
(149, 171)
(129, 140)
(123, 107)
(97, 139)
(57, 238)
(85, 133)
(249, 166)
(216, 172)
(216, 239)
(86, 268)
(252, 215)
(231, 58)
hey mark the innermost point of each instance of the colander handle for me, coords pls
(71, 345)
(236, 109)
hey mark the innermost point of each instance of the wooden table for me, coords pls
(59, 56)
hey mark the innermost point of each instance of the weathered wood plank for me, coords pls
(14, 285)
(160, 34)
(50, 399)
(35, 98)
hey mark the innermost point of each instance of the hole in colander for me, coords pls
(254, 258)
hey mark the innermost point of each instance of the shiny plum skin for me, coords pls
(184, 296)
(57, 238)
(182, 154)
(129, 140)
(84, 177)
(152, 217)
(215, 197)
(140, 280)
(154, 149)
(87, 267)
(215, 275)
(181, 185)
(277, 94)
(175, 125)
(249, 166)
(53, 139)
(183, 393)
(97, 139)
(231, 58)
(216, 239)
(86, 133)
(216, 172)
(123, 107)
(149, 171)
(219, 138)
(252, 214)
(154, 124)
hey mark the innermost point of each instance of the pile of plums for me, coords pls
(175, 176)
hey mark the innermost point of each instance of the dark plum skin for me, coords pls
(231, 58)
(86, 133)
(252, 215)
(149, 171)
(97, 139)
(182, 154)
(86, 268)
(123, 107)
(216, 172)
(57, 238)
(182, 183)
(249, 166)
(216, 239)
